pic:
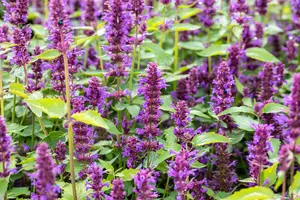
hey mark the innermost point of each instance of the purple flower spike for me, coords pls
(291, 49)
(208, 12)
(258, 150)
(44, 178)
(16, 11)
(144, 182)
(295, 108)
(180, 169)
(21, 37)
(60, 151)
(118, 192)
(35, 79)
(96, 175)
(222, 97)
(285, 156)
(90, 15)
(5, 149)
(181, 120)
(267, 82)
(151, 86)
(261, 6)
(295, 5)
(234, 59)
(279, 74)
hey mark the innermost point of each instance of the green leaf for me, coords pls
(171, 77)
(55, 108)
(192, 45)
(90, 117)
(17, 191)
(36, 111)
(7, 45)
(244, 122)
(236, 137)
(111, 128)
(197, 165)
(261, 54)
(14, 128)
(272, 29)
(167, 103)
(158, 51)
(67, 193)
(170, 143)
(280, 178)
(252, 193)
(239, 85)
(85, 41)
(209, 138)
(18, 89)
(39, 30)
(275, 108)
(106, 165)
(199, 114)
(160, 156)
(273, 154)
(188, 12)
(3, 187)
(49, 54)
(133, 110)
(214, 50)
(247, 180)
(185, 27)
(269, 176)
(241, 109)
(54, 137)
(237, 31)
(247, 102)
(127, 174)
(295, 187)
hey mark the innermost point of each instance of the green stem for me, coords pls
(139, 58)
(283, 186)
(32, 135)
(14, 106)
(134, 56)
(85, 56)
(46, 9)
(1, 91)
(175, 56)
(42, 125)
(209, 58)
(24, 117)
(148, 158)
(70, 131)
(100, 55)
(25, 74)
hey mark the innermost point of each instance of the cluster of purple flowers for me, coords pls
(209, 11)
(144, 182)
(239, 11)
(16, 11)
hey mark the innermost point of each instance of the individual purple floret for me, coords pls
(285, 156)
(119, 24)
(144, 182)
(180, 170)
(95, 174)
(193, 82)
(267, 82)
(6, 148)
(279, 74)
(208, 12)
(261, 6)
(60, 151)
(259, 30)
(131, 148)
(181, 119)
(95, 94)
(258, 150)
(222, 97)
(16, 11)
(21, 37)
(44, 177)
(150, 86)
(118, 192)
(35, 79)
(294, 109)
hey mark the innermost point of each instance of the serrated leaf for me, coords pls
(55, 108)
(39, 30)
(241, 109)
(237, 31)
(53, 137)
(269, 176)
(85, 41)
(127, 174)
(3, 187)
(252, 193)
(244, 122)
(214, 50)
(209, 138)
(171, 77)
(184, 27)
(280, 178)
(18, 89)
(158, 52)
(188, 12)
(90, 117)
(111, 128)
(197, 165)
(167, 103)
(236, 137)
(17, 191)
(48, 54)
(295, 187)
(14, 128)
(199, 114)
(275, 108)
(133, 110)
(7, 45)
(261, 54)
(272, 29)
(36, 111)
(106, 165)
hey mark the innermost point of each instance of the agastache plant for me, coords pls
(144, 182)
